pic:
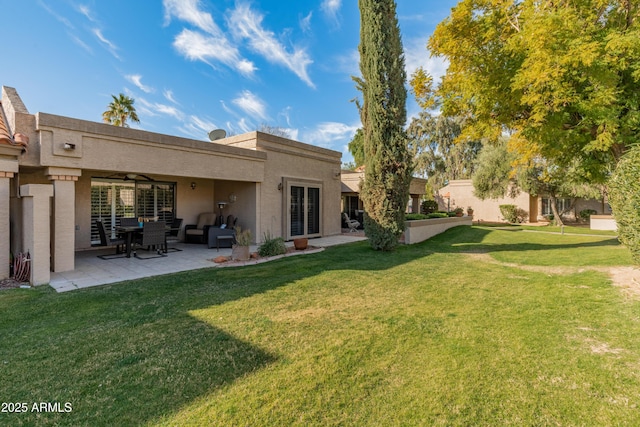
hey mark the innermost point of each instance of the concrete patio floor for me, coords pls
(93, 271)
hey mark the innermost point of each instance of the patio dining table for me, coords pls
(128, 231)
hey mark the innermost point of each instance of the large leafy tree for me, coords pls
(388, 166)
(438, 155)
(356, 147)
(119, 110)
(562, 76)
(498, 175)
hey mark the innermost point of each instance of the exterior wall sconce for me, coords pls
(69, 147)
(193, 185)
(280, 187)
(233, 198)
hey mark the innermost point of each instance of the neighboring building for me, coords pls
(75, 171)
(460, 193)
(352, 205)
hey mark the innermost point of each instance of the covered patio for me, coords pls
(92, 271)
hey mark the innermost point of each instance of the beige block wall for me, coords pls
(293, 160)
(461, 192)
(419, 231)
(63, 225)
(133, 151)
(5, 229)
(36, 235)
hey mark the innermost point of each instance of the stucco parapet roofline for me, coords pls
(44, 121)
(269, 142)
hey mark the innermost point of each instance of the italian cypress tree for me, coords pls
(385, 190)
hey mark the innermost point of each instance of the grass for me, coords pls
(425, 335)
(567, 229)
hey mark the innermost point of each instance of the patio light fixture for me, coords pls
(233, 198)
(193, 185)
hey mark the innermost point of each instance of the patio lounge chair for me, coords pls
(351, 223)
(198, 233)
(106, 240)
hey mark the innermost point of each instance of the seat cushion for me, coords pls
(208, 218)
(195, 232)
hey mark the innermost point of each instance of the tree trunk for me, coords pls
(553, 201)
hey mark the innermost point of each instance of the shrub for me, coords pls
(428, 206)
(513, 214)
(414, 217)
(438, 215)
(272, 246)
(624, 198)
(585, 214)
(243, 237)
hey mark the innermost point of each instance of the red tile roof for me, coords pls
(5, 136)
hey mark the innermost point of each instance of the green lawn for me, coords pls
(427, 335)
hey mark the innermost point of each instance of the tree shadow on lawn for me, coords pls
(472, 240)
(131, 353)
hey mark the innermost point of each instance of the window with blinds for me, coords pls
(113, 199)
(313, 210)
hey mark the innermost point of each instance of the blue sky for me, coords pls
(197, 65)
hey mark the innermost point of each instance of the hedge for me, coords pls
(624, 198)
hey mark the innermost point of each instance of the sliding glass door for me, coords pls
(113, 199)
(304, 209)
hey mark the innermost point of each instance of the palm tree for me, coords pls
(119, 110)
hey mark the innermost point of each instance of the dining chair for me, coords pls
(153, 236)
(106, 240)
(172, 234)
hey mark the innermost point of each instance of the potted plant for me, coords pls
(470, 211)
(240, 250)
(300, 243)
(458, 211)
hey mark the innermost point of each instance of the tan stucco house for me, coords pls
(74, 172)
(350, 188)
(460, 193)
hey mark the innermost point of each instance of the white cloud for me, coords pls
(285, 113)
(416, 55)
(87, 13)
(168, 94)
(197, 127)
(136, 79)
(197, 46)
(293, 133)
(110, 46)
(77, 40)
(53, 13)
(189, 11)
(305, 23)
(348, 63)
(251, 104)
(327, 133)
(247, 25)
(243, 125)
(207, 46)
(154, 109)
(331, 8)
